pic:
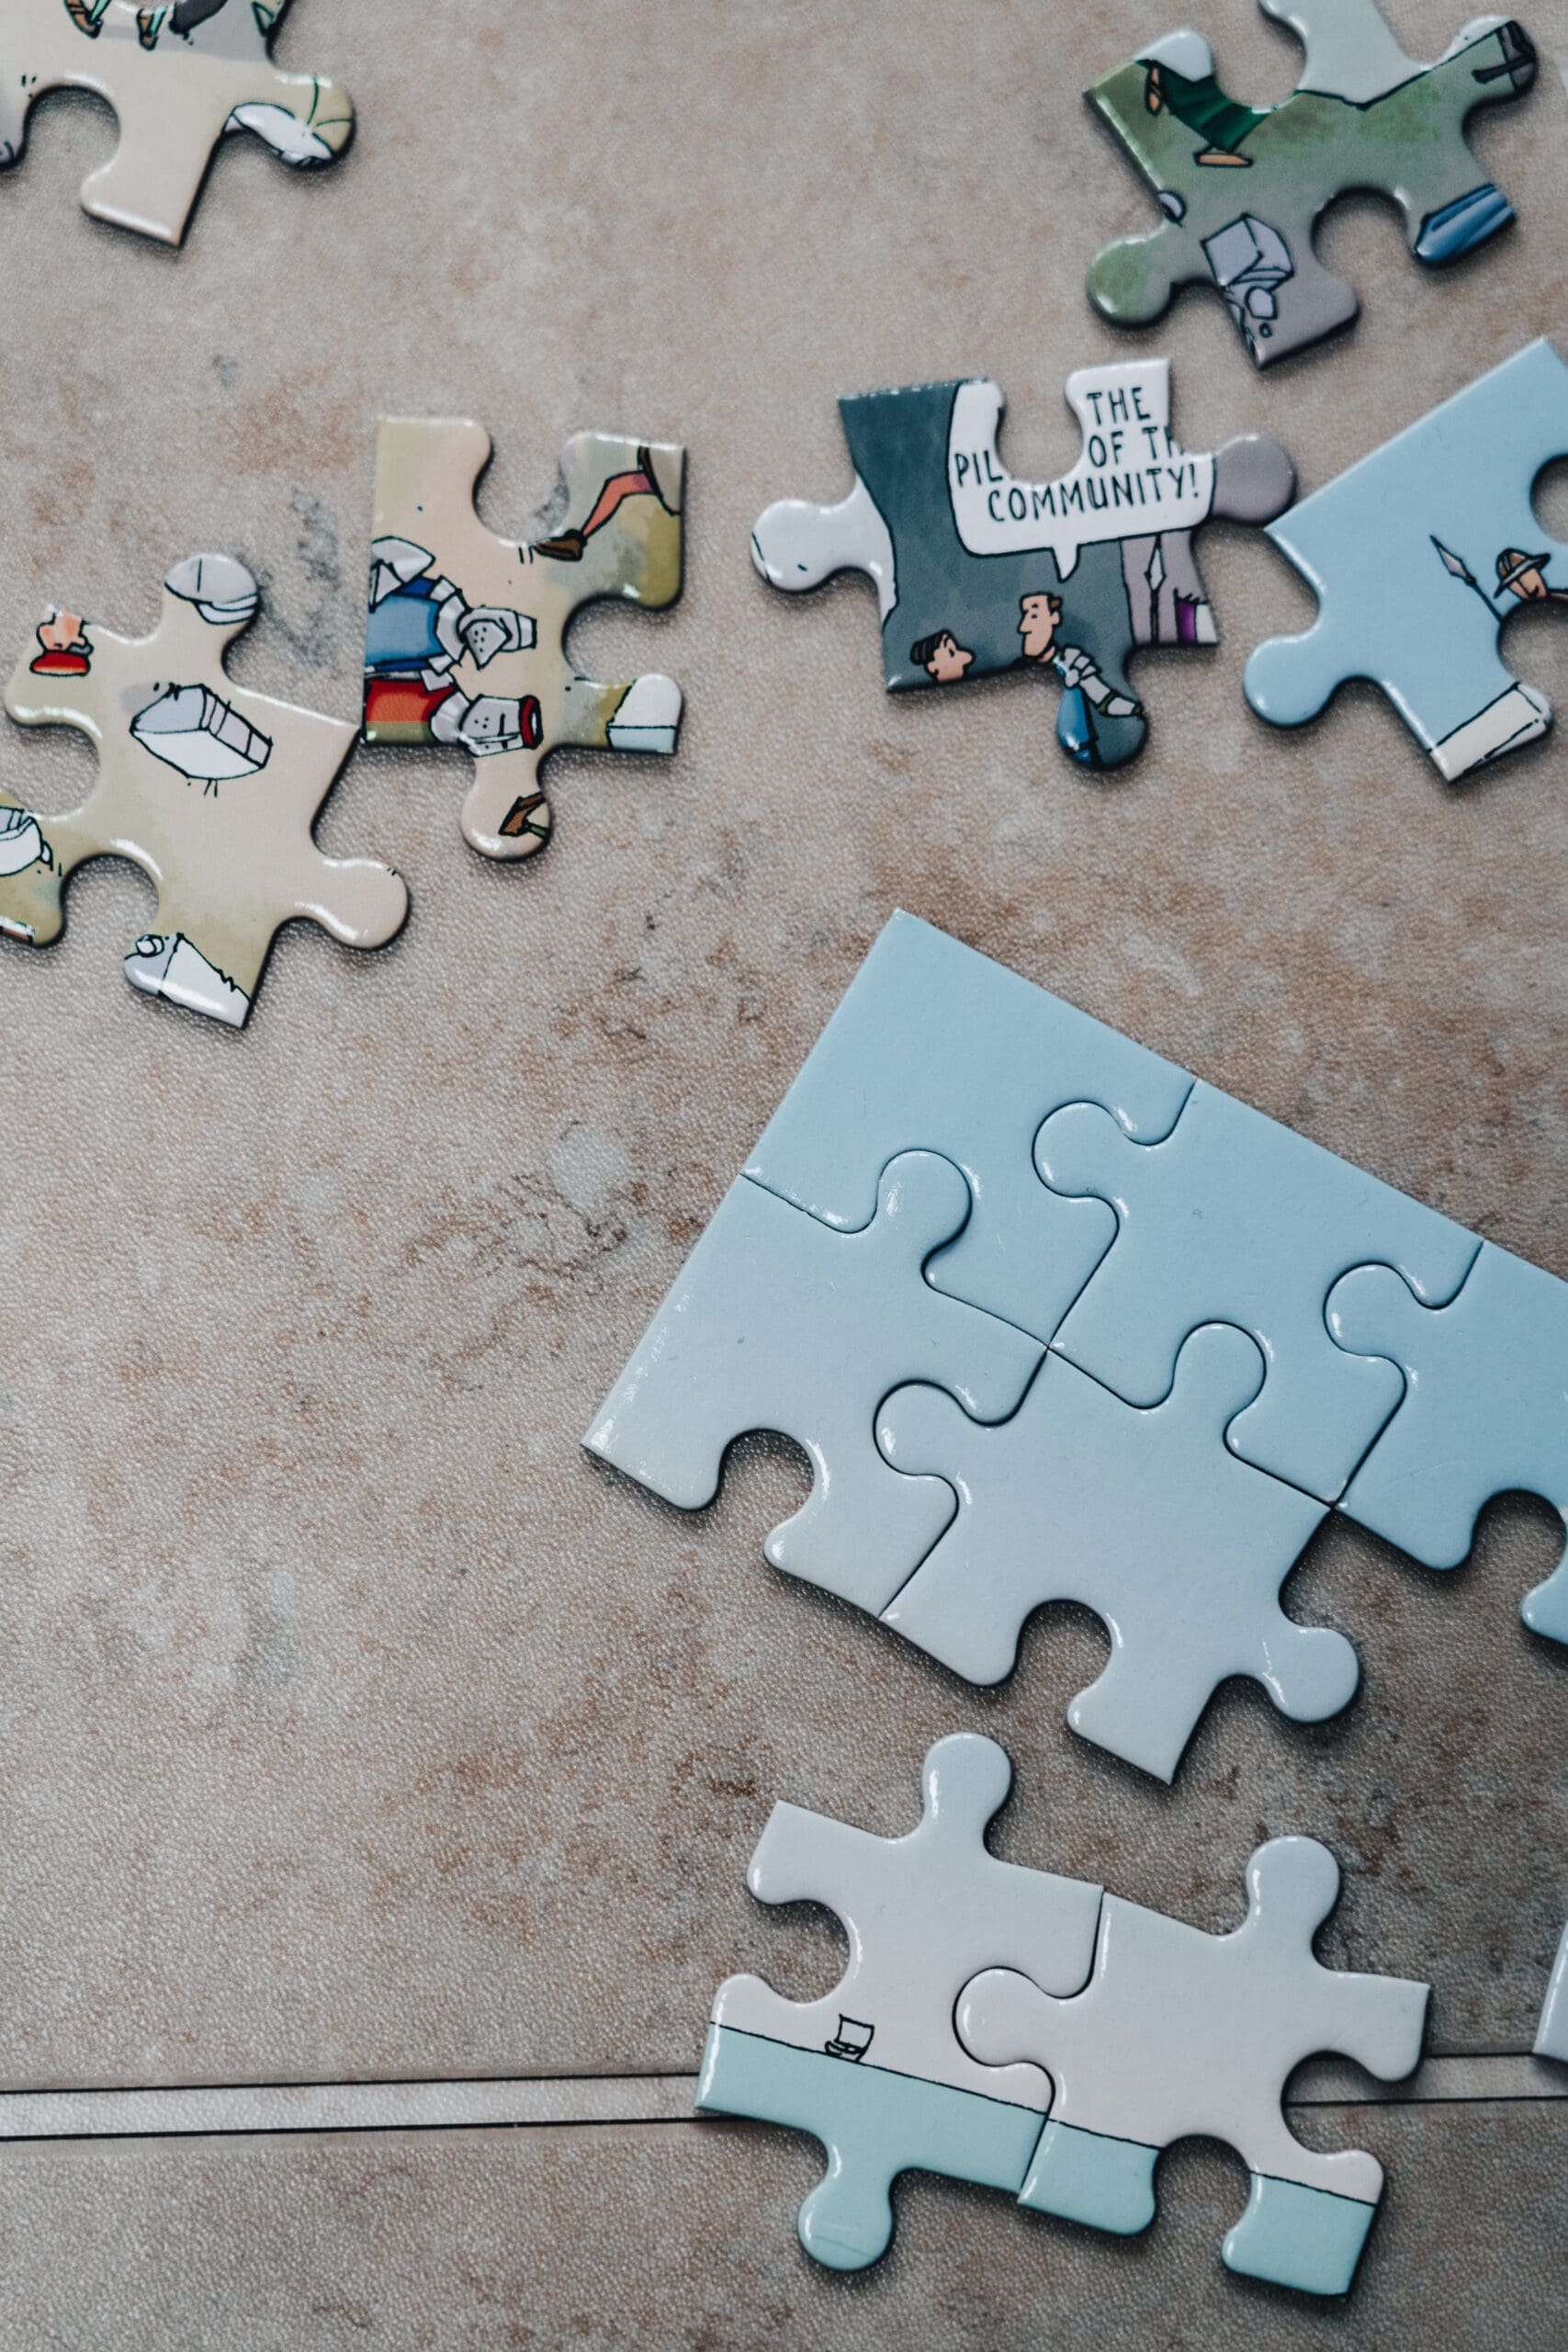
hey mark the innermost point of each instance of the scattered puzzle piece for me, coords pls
(1233, 1218)
(777, 1322)
(976, 571)
(211, 790)
(1551, 2035)
(1180, 2034)
(1242, 187)
(937, 1045)
(1485, 1410)
(874, 2070)
(1416, 555)
(180, 77)
(466, 636)
(1144, 1517)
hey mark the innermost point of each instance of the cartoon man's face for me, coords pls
(1037, 619)
(1528, 585)
(948, 660)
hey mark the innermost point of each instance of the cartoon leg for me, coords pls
(629, 543)
(642, 717)
(37, 854)
(306, 122)
(506, 813)
(637, 482)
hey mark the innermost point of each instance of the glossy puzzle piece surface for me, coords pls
(210, 789)
(1416, 555)
(1551, 2035)
(1242, 187)
(976, 571)
(1144, 1517)
(1235, 1219)
(875, 2070)
(179, 78)
(1484, 1412)
(465, 640)
(1181, 2034)
(777, 1322)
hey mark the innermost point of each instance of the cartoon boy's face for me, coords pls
(948, 660)
(1037, 619)
(63, 633)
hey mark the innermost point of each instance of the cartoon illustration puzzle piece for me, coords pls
(1484, 1411)
(465, 641)
(179, 78)
(1179, 2034)
(1233, 1218)
(1144, 1517)
(776, 1322)
(1416, 555)
(874, 2070)
(976, 571)
(210, 789)
(1242, 187)
(936, 1046)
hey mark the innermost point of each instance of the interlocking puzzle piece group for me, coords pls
(465, 641)
(210, 789)
(978, 571)
(1417, 555)
(180, 77)
(968, 1976)
(1242, 187)
(1165, 1475)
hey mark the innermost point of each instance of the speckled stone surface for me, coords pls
(354, 1723)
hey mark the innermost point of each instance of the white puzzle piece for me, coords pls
(777, 1322)
(1144, 1517)
(1551, 2034)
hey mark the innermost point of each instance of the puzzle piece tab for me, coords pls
(1145, 1518)
(1485, 1410)
(777, 1322)
(1242, 187)
(1180, 2034)
(874, 2070)
(466, 636)
(1416, 555)
(179, 78)
(976, 571)
(211, 790)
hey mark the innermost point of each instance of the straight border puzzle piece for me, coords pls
(1180, 2034)
(210, 789)
(978, 571)
(874, 2070)
(179, 78)
(776, 1322)
(466, 632)
(1242, 188)
(1416, 555)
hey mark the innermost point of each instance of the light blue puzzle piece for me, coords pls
(1551, 2034)
(873, 2125)
(1177, 1546)
(1416, 555)
(1296, 2236)
(777, 1322)
(1088, 2176)
(937, 1048)
(1236, 1219)
(1485, 1410)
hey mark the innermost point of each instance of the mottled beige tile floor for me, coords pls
(355, 1724)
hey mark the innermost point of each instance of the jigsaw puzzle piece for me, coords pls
(1416, 555)
(210, 789)
(874, 2070)
(1551, 2034)
(1180, 2034)
(465, 641)
(1178, 1547)
(1484, 1413)
(776, 1322)
(179, 78)
(936, 1046)
(978, 571)
(1235, 1219)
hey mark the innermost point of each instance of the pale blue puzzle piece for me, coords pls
(938, 1049)
(1233, 1218)
(1145, 1517)
(1416, 555)
(1485, 1410)
(777, 1322)
(1296, 2236)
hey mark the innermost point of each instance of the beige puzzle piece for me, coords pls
(466, 632)
(210, 789)
(179, 78)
